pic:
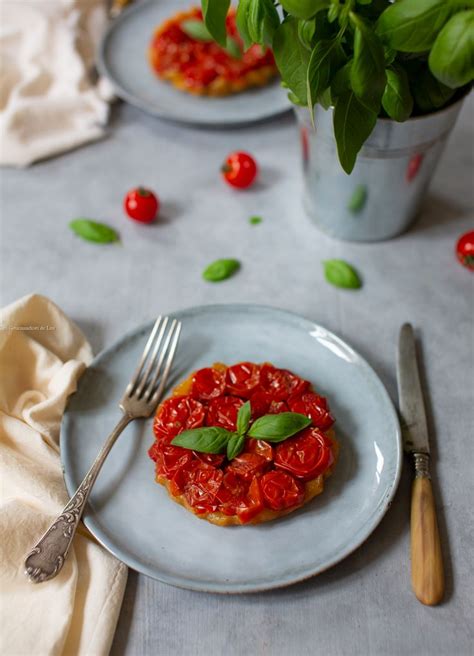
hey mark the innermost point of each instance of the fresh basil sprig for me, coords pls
(271, 428)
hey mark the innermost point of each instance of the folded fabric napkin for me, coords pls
(48, 101)
(42, 355)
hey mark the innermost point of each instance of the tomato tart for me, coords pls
(203, 67)
(243, 444)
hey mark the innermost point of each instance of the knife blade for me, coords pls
(427, 572)
(410, 395)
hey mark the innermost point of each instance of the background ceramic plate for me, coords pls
(123, 59)
(133, 517)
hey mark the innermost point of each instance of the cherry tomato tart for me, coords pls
(263, 481)
(203, 67)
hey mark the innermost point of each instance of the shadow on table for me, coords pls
(435, 212)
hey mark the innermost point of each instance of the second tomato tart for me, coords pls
(243, 444)
(184, 54)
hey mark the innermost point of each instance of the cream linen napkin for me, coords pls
(42, 355)
(48, 103)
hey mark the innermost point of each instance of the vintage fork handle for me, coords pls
(46, 559)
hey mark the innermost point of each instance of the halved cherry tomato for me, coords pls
(465, 250)
(281, 383)
(232, 493)
(177, 414)
(153, 450)
(208, 384)
(305, 456)
(169, 459)
(239, 170)
(314, 406)
(260, 447)
(253, 503)
(141, 205)
(280, 490)
(242, 378)
(223, 412)
(202, 487)
(247, 465)
(214, 459)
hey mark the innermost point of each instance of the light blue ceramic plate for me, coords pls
(123, 59)
(134, 518)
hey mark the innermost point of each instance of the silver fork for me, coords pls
(140, 400)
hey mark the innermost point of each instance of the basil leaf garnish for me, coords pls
(341, 274)
(235, 446)
(243, 418)
(196, 29)
(220, 270)
(94, 231)
(210, 439)
(276, 428)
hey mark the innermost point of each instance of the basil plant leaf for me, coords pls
(262, 21)
(413, 25)
(304, 8)
(235, 446)
(341, 274)
(325, 58)
(196, 29)
(233, 48)
(292, 58)
(341, 82)
(241, 20)
(210, 439)
(368, 76)
(397, 99)
(276, 428)
(429, 92)
(353, 123)
(215, 13)
(451, 58)
(94, 231)
(243, 418)
(221, 269)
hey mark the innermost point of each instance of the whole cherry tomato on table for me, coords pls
(465, 250)
(141, 205)
(239, 170)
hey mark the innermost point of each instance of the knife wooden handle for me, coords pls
(427, 573)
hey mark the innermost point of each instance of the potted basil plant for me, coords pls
(377, 86)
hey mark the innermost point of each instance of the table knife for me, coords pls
(427, 574)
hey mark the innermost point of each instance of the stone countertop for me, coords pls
(364, 605)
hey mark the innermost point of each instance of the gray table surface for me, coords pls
(364, 605)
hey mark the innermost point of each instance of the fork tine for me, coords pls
(150, 387)
(174, 339)
(144, 378)
(146, 350)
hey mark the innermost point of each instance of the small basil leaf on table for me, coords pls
(255, 220)
(276, 428)
(94, 231)
(235, 446)
(210, 439)
(243, 418)
(451, 58)
(341, 274)
(196, 29)
(215, 13)
(357, 200)
(413, 25)
(220, 269)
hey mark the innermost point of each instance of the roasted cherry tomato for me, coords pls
(239, 170)
(177, 414)
(141, 205)
(232, 493)
(253, 504)
(208, 384)
(247, 465)
(223, 412)
(260, 447)
(202, 486)
(313, 406)
(465, 250)
(281, 383)
(170, 458)
(242, 379)
(280, 490)
(305, 456)
(214, 459)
